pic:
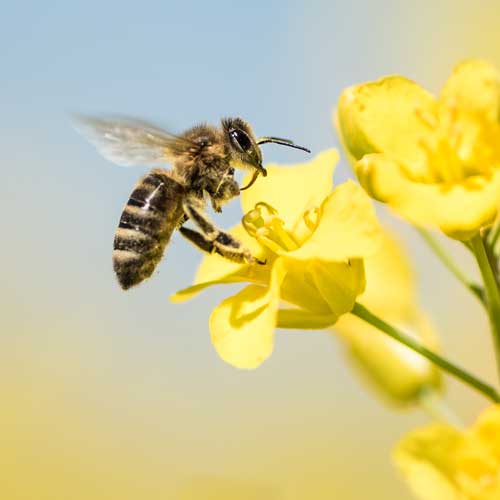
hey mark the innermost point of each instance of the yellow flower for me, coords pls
(441, 462)
(313, 240)
(436, 162)
(396, 372)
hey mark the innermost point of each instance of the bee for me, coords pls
(203, 161)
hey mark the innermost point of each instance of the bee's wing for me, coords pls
(128, 142)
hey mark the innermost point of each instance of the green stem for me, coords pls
(489, 391)
(452, 267)
(491, 289)
(494, 234)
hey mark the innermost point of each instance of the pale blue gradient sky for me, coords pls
(133, 357)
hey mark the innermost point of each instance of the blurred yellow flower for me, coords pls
(397, 373)
(313, 240)
(436, 162)
(441, 462)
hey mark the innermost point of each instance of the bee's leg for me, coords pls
(230, 252)
(211, 239)
(197, 239)
(227, 189)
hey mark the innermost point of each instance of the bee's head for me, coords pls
(244, 147)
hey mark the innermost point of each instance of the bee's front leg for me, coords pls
(227, 189)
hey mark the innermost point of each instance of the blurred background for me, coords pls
(106, 394)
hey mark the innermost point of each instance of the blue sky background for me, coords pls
(142, 372)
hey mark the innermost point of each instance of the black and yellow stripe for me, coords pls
(151, 214)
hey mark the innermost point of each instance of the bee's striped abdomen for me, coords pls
(153, 211)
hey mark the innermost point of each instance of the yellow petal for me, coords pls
(339, 283)
(242, 326)
(190, 291)
(350, 155)
(487, 430)
(348, 227)
(304, 320)
(438, 458)
(397, 373)
(458, 209)
(215, 269)
(298, 288)
(389, 264)
(386, 116)
(293, 189)
(474, 86)
(426, 459)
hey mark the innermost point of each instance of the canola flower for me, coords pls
(313, 239)
(434, 161)
(441, 462)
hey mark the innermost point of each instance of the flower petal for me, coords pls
(242, 326)
(487, 430)
(304, 320)
(292, 190)
(458, 209)
(298, 288)
(439, 460)
(339, 283)
(386, 116)
(190, 291)
(425, 457)
(474, 86)
(348, 227)
(389, 264)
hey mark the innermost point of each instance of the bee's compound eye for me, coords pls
(240, 140)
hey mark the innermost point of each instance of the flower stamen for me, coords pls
(263, 224)
(311, 218)
(444, 145)
(262, 235)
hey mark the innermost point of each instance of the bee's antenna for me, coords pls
(282, 142)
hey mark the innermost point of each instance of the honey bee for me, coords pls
(203, 161)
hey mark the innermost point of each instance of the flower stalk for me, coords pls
(487, 390)
(474, 288)
(494, 235)
(491, 289)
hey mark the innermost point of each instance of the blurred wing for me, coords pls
(128, 142)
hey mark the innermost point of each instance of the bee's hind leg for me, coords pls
(230, 250)
(213, 240)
